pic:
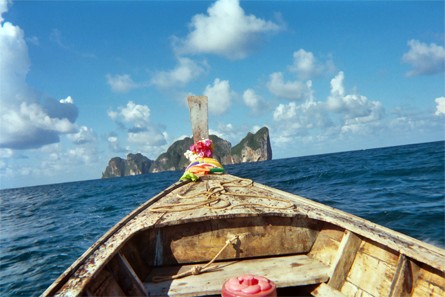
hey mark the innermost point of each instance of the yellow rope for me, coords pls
(198, 269)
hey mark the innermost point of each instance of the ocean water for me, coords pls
(44, 229)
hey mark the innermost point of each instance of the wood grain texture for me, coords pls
(284, 271)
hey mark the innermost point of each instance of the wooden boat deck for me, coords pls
(299, 270)
(184, 225)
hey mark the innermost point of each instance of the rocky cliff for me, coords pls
(134, 164)
(252, 148)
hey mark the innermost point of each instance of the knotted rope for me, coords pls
(198, 269)
(216, 198)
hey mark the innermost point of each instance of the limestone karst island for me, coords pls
(252, 148)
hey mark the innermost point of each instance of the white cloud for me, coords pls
(14, 64)
(219, 95)
(186, 71)
(440, 106)
(253, 100)
(135, 118)
(67, 100)
(114, 145)
(27, 123)
(83, 136)
(134, 114)
(306, 66)
(424, 59)
(3, 8)
(341, 115)
(224, 130)
(152, 136)
(58, 158)
(285, 111)
(29, 126)
(293, 90)
(225, 30)
(82, 153)
(121, 83)
(353, 106)
(308, 115)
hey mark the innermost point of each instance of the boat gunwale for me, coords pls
(65, 276)
(413, 248)
(400, 240)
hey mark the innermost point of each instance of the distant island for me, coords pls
(252, 148)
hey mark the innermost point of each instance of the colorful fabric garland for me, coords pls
(202, 163)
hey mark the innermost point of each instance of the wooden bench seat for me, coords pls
(285, 271)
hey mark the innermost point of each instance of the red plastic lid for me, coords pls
(249, 285)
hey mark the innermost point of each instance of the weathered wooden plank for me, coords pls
(326, 245)
(404, 278)
(379, 251)
(136, 287)
(105, 285)
(324, 290)
(299, 270)
(430, 282)
(371, 275)
(431, 275)
(349, 289)
(259, 236)
(427, 289)
(199, 117)
(345, 258)
(137, 251)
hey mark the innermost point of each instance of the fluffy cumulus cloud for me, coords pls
(225, 30)
(134, 114)
(220, 96)
(185, 71)
(135, 118)
(357, 111)
(306, 66)
(340, 114)
(307, 115)
(26, 121)
(424, 58)
(253, 100)
(440, 106)
(292, 90)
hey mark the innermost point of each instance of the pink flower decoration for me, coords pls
(203, 148)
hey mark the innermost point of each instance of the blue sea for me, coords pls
(44, 229)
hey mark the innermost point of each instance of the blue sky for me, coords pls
(84, 81)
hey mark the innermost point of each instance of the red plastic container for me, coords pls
(249, 285)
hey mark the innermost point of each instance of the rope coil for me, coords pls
(216, 197)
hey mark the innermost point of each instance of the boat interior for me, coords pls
(303, 256)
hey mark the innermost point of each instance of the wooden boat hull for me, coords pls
(303, 246)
